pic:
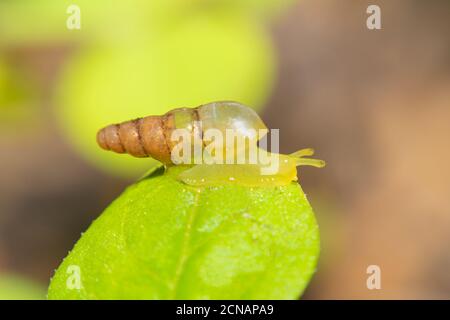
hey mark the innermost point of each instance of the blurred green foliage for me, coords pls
(162, 239)
(44, 21)
(16, 94)
(264, 8)
(14, 287)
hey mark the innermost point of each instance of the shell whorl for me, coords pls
(151, 136)
(143, 137)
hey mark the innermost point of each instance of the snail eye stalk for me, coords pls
(301, 161)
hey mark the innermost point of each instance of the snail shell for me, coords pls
(150, 136)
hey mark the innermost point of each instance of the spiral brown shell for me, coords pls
(143, 137)
(151, 136)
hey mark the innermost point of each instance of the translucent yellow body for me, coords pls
(243, 121)
(249, 174)
(199, 139)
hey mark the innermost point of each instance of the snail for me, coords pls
(159, 137)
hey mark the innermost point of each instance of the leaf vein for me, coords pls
(184, 255)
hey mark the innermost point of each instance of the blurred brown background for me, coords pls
(374, 104)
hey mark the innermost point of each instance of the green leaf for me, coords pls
(162, 239)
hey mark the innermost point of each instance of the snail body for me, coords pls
(153, 136)
(250, 174)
